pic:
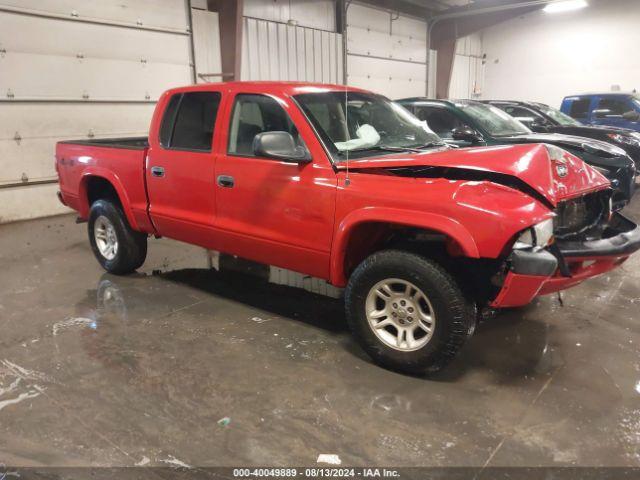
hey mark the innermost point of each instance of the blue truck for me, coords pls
(615, 109)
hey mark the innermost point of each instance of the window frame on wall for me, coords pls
(171, 117)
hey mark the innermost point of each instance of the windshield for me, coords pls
(496, 122)
(558, 116)
(370, 124)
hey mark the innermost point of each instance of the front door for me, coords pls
(272, 211)
(180, 168)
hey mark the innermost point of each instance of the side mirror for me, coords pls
(539, 127)
(281, 146)
(466, 135)
(631, 115)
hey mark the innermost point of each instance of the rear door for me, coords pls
(272, 211)
(180, 167)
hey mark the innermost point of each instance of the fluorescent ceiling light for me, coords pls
(565, 6)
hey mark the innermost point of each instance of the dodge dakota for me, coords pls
(345, 185)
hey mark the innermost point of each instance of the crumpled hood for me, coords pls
(571, 141)
(556, 177)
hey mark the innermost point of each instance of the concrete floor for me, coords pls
(208, 369)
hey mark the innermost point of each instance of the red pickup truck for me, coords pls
(345, 185)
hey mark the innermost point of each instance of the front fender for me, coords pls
(431, 221)
(112, 178)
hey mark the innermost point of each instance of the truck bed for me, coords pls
(117, 161)
(131, 143)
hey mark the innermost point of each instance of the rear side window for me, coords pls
(580, 108)
(254, 114)
(189, 121)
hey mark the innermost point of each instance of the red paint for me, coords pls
(518, 290)
(301, 216)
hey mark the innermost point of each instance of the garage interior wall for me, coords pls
(545, 57)
(386, 52)
(73, 69)
(291, 40)
(467, 77)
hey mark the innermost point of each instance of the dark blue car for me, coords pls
(615, 109)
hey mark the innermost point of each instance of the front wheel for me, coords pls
(407, 312)
(118, 248)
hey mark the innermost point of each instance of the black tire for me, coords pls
(132, 245)
(454, 314)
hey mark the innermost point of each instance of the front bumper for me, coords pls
(539, 273)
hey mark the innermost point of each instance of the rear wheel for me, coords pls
(118, 248)
(407, 312)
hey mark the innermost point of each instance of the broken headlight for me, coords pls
(629, 139)
(538, 236)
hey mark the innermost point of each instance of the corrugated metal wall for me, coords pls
(79, 69)
(318, 14)
(277, 51)
(386, 52)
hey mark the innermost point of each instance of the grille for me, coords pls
(581, 215)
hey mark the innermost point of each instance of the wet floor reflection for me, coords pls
(509, 347)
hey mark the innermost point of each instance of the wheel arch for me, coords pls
(103, 184)
(362, 230)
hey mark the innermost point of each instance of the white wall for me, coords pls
(318, 14)
(73, 69)
(467, 77)
(386, 53)
(545, 57)
(206, 45)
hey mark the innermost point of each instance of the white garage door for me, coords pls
(72, 69)
(386, 52)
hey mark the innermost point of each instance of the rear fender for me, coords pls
(407, 218)
(98, 172)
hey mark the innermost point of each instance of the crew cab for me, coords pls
(471, 123)
(616, 109)
(345, 185)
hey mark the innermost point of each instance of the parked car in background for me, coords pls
(345, 185)
(465, 123)
(615, 109)
(542, 118)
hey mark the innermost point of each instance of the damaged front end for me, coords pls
(587, 240)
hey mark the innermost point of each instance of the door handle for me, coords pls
(226, 181)
(157, 171)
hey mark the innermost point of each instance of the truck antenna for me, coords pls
(347, 180)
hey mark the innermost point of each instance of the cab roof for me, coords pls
(287, 88)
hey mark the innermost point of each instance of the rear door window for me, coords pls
(580, 108)
(189, 121)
